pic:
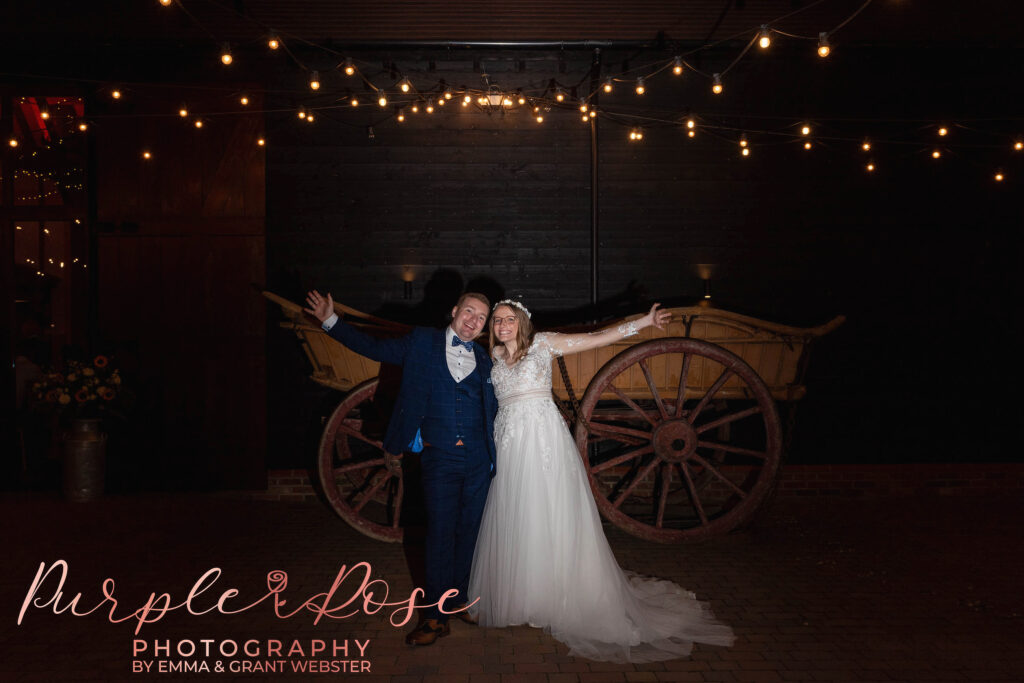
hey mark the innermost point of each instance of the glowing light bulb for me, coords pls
(640, 87)
(540, 119)
(608, 85)
(354, 101)
(482, 101)
(936, 154)
(745, 151)
(691, 133)
(116, 94)
(943, 131)
(273, 43)
(716, 84)
(559, 95)
(824, 49)
(244, 101)
(1018, 145)
(870, 167)
(146, 154)
(302, 113)
(415, 108)
(583, 106)
(441, 101)
(44, 114)
(404, 85)
(447, 94)
(430, 109)
(999, 176)
(807, 145)
(691, 123)
(743, 142)
(183, 112)
(13, 142)
(350, 68)
(866, 146)
(805, 130)
(261, 142)
(199, 123)
(677, 66)
(382, 100)
(314, 81)
(506, 101)
(521, 100)
(765, 38)
(401, 115)
(166, 3)
(225, 55)
(310, 118)
(466, 99)
(83, 126)
(585, 118)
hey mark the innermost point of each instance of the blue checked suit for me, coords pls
(455, 477)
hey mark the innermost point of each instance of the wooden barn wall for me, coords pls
(181, 246)
(789, 235)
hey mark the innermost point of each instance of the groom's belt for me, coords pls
(524, 396)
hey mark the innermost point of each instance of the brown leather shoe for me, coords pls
(466, 617)
(427, 632)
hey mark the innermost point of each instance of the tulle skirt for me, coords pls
(542, 557)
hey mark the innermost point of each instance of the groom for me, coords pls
(446, 403)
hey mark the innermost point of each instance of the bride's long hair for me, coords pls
(524, 334)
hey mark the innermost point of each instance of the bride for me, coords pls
(542, 557)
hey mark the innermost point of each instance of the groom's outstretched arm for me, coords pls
(391, 351)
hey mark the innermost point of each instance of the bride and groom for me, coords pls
(527, 547)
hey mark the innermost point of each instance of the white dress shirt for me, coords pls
(461, 361)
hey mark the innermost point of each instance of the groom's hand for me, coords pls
(319, 307)
(393, 463)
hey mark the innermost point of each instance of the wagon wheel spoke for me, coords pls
(397, 503)
(712, 390)
(345, 429)
(624, 494)
(732, 449)
(604, 427)
(726, 419)
(654, 389)
(632, 404)
(718, 475)
(694, 493)
(361, 465)
(372, 491)
(618, 460)
(666, 481)
(681, 395)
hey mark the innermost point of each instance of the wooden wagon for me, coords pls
(678, 429)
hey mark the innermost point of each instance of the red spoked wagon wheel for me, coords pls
(684, 444)
(351, 467)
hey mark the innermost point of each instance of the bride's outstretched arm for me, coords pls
(564, 344)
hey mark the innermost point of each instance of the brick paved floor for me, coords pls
(910, 589)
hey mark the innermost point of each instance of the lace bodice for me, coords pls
(532, 373)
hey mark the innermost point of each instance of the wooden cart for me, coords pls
(678, 429)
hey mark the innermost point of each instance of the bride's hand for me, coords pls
(658, 318)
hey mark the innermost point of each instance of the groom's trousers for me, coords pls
(455, 483)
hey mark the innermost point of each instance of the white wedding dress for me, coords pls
(542, 557)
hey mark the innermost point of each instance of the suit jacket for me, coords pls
(419, 353)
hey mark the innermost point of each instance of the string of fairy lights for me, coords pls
(404, 97)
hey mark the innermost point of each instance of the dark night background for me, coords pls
(920, 256)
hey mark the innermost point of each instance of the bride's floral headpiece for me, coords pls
(510, 302)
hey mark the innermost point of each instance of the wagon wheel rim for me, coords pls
(350, 464)
(658, 439)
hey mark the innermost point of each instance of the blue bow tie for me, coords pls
(458, 342)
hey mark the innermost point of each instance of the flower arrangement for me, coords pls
(82, 390)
